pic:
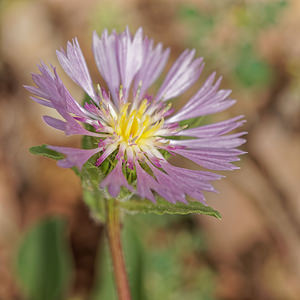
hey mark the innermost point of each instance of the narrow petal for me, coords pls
(55, 123)
(50, 86)
(105, 53)
(166, 187)
(215, 129)
(181, 76)
(130, 57)
(36, 91)
(114, 180)
(74, 64)
(109, 150)
(209, 159)
(42, 102)
(74, 157)
(53, 92)
(118, 58)
(71, 127)
(145, 183)
(226, 141)
(194, 183)
(206, 101)
(152, 66)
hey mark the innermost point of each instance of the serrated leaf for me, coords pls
(163, 207)
(44, 151)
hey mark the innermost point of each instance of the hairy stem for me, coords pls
(114, 238)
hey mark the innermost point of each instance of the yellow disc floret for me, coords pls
(135, 127)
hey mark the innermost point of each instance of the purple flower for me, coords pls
(137, 129)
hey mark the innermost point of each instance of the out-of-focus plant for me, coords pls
(164, 260)
(227, 34)
(44, 264)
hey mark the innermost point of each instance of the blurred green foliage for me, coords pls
(43, 261)
(249, 69)
(163, 257)
(240, 57)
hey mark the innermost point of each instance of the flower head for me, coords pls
(136, 129)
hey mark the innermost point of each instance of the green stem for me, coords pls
(114, 238)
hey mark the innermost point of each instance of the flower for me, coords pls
(135, 129)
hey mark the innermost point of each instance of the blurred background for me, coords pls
(50, 249)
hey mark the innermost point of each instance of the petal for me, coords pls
(55, 123)
(55, 95)
(105, 53)
(215, 129)
(145, 183)
(118, 58)
(153, 63)
(109, 150)
(74, 64)
(194, 183)
(114, 180)
(130, 57)
(211, 158)
(206, 101)
(74, 157)
(227, 141)
(52, 90)
(71, 127)
(181, 76)
(166, 187)
(42, 102)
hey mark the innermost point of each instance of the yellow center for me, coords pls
(136, 127)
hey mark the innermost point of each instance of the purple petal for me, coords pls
(152, 66)
(215, 129)
(74, 157)
(74, 64)
(114, 180)
(206, 101)
(42, 102)
(105, 53)
(194, 183)
(55, 123)
(51, 88)
(166, 187)
(227, 141)
(118, 58)
(211, 159)
(109, 150)
(181, 76)
(145, 183)
(130, 57)
(71, 127)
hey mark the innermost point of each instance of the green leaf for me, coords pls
(134, 257)
(104, 287)
(164, 207)
(95, 200)
(43, 261)
(44, 151)
(93, 196)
